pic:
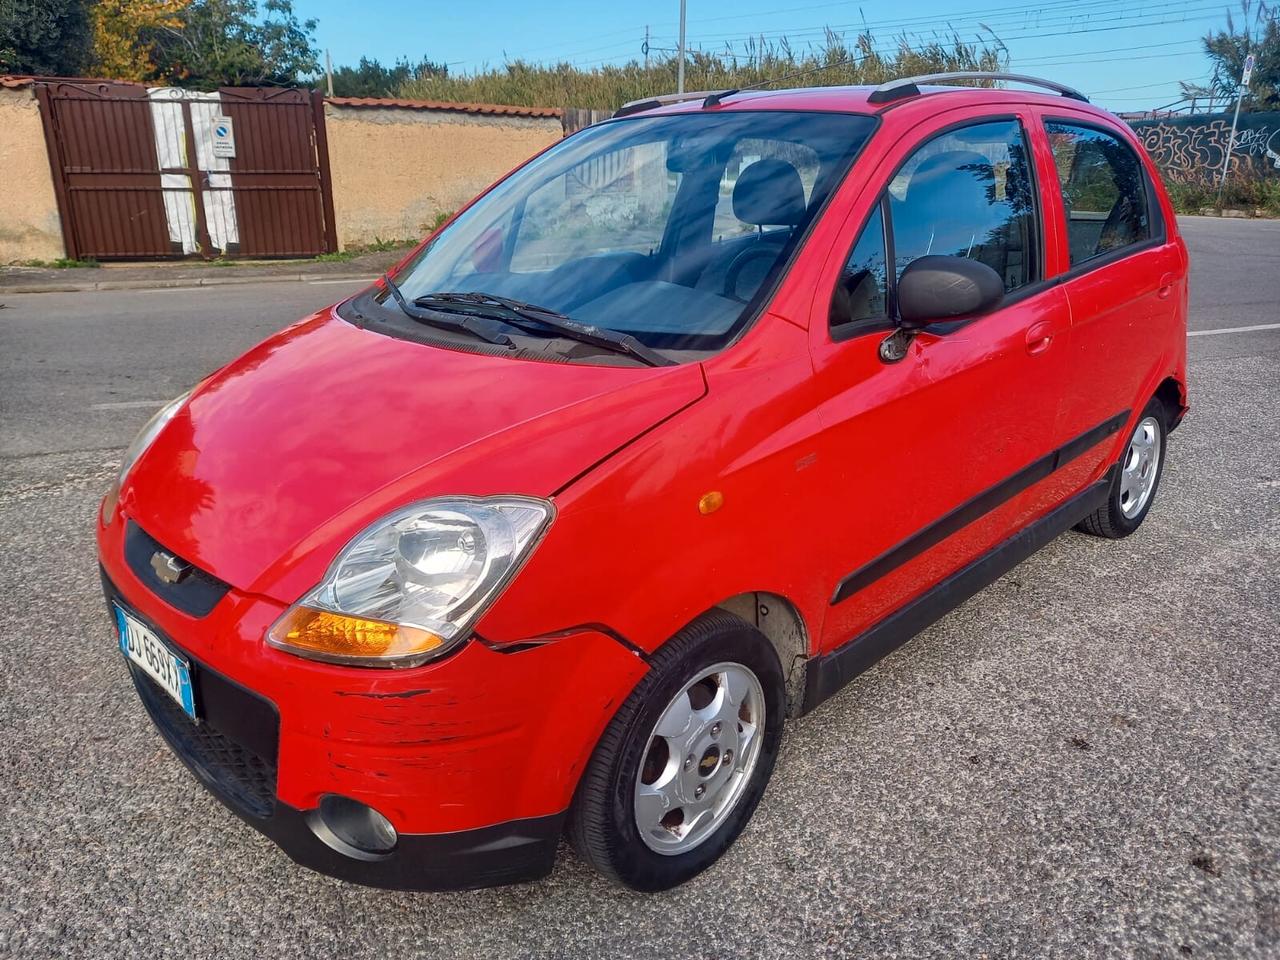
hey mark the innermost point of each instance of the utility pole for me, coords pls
(680, 66)
(646, 48)
(1245, 77)
(328, 71)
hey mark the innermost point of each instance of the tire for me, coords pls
(1134, 488)
(732, 766)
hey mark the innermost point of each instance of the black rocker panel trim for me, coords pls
(974, 509)
(828, 673)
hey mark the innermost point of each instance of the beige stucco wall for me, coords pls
(396, 168)
(29, 225)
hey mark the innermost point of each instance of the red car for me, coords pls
(659, 442)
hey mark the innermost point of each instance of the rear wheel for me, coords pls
(683, 764)
(1134, 488)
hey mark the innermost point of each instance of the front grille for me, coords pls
(243, 778)
(197, 593)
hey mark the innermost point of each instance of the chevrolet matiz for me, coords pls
(659, 442)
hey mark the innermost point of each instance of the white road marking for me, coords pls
(1256, 326)
(318, 283)
(128, 405)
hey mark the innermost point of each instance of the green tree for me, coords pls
(370, 78)
(1258, 33)
(236, 43)
(45, 37)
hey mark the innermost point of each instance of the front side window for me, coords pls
(1103, 190)
(969, 193)
(668, 228)
(862, 293)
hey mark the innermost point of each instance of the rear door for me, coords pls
(931, 460)
(1121, 268)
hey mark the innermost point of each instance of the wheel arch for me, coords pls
(1172, 392)
(782, 624)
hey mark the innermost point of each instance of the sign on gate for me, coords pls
(224, 137)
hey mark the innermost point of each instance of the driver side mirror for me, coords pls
(933, 289)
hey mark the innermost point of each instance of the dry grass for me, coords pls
(608, 87)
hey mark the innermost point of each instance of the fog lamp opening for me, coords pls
(352, 828)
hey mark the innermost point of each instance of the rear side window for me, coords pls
(969, 193)
(1103, 190)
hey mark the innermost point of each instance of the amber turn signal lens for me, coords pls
(710, 502)
(325, 634)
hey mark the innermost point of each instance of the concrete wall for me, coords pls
(396, 168)
(30, 228)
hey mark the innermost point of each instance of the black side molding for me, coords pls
(828, 673)
(973, 509)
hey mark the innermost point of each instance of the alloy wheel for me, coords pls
(699, 758)
(1140, 468)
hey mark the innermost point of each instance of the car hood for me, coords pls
(286, 453)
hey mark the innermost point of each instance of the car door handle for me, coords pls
(1039, 337)
(1166, 286)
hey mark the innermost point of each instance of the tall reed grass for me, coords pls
(607, 87)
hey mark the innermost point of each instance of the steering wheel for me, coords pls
(736, 265)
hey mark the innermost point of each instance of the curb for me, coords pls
(179, 283)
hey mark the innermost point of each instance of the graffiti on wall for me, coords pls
(1190, 149)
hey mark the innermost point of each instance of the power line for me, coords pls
(990, 17)
(1144, 86)
(1053, 17)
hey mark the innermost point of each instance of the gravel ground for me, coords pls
(1084, 760)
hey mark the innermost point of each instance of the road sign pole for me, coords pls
(1245, 77)
(1226, 157)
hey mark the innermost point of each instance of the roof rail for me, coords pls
(910, 86)
(652, 103)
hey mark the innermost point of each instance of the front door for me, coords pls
(932, 459)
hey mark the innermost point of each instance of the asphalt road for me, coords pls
(1084, 760)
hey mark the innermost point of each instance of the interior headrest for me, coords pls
(769, 193)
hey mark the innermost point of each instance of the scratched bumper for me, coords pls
(473, 759)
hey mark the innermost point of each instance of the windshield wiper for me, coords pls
(447, 321)
(515, 312)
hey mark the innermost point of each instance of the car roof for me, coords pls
(856, 99)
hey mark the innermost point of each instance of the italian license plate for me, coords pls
(153, 656)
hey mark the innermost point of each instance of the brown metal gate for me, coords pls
(136, 176)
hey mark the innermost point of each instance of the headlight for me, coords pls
(148, 433)
(406, 589)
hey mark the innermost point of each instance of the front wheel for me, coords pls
(683, 764)
(1137, 479)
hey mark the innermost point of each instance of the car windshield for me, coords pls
(668, 228)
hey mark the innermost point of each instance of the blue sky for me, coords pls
(1126, 55)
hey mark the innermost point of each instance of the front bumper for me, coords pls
(473, 759)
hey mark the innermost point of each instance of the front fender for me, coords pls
(630, 547)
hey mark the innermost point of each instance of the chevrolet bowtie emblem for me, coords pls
(168, 567)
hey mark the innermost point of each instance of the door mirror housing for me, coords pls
(933, 289)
